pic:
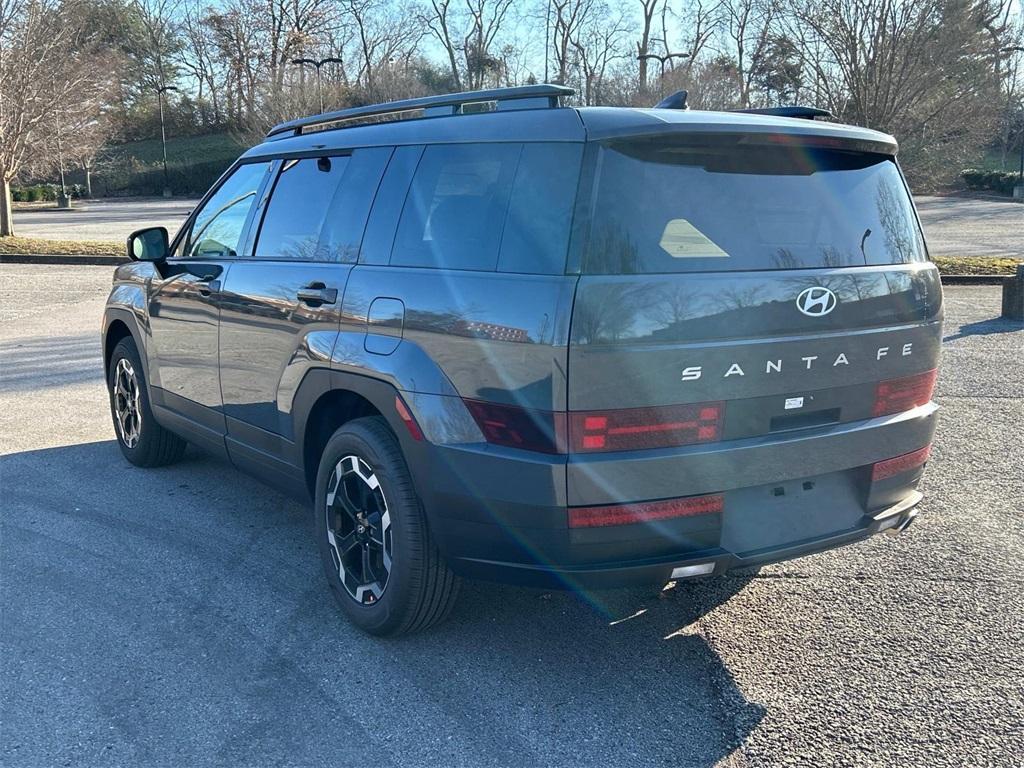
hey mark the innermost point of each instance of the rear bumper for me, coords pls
(710, 562)
(500, 514)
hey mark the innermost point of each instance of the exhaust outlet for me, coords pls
(903, 524)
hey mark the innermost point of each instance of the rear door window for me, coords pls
(298, 207)
(455, 208)
(728, 206)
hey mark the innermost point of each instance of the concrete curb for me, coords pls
(65, 259)
(973, 279)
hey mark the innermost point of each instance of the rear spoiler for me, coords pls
(807, 113)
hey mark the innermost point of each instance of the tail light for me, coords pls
(531, 430)
(636, 428)
(900, 464)
(643, 512)
(897, 395)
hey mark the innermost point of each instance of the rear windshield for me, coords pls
(734, 206)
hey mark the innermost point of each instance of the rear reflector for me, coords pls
(898, 395)
(407, 419)
(531, 430)
(643, 512)
(900, 464)
(637, 428)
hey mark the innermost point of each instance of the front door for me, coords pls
(280, 308)
(184, 302)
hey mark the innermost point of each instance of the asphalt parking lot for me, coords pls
(954, 226)
(178, 616)
(969, 226)
(102, 219)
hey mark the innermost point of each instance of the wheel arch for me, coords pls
(121, 325)
(330, 399)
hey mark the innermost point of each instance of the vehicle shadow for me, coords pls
(985, 328)
(34, 363)
(199, 583)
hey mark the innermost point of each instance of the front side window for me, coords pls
(730, 204)
(455, 209)
(298, 208)
(218, 227)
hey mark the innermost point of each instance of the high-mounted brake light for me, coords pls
(898, 395)
(531, 430)
(646, 511)
(637, 428)
(900, 464)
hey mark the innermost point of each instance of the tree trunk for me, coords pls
(88, 179)
(6, 214)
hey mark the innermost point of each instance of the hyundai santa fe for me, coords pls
(492, 336)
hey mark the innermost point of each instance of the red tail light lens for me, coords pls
(643, 512)
(900, 464)
(636, 428)
(531, 430)
(898, 395)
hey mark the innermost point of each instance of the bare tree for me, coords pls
(199, 57)
(385, 33)
(486, 19)
(441, 19)
(922, 70)
(643, 45)
(749, 26)
(601, 41)
(48, 66)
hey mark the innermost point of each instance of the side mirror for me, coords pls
(149, 244)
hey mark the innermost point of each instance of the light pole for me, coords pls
(317, 64)
(1020, 172)
(163, 134)
(664, 59)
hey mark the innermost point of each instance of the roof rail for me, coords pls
(522, 97)
(808, 113)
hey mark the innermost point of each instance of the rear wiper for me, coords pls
(867, 234)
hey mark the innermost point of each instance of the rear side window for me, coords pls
(728, 205)
(536, 234)
(298, 208)
(455, 208)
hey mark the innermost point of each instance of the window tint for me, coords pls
(387, 206)
(217, 228)
(343, 227)
(720, 207)
(536, 231)
(455, 208)
(298, 206)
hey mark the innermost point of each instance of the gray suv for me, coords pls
(496, 337)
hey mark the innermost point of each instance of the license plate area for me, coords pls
(788, 513)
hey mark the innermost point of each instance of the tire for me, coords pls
(365, 507)
(142, 441)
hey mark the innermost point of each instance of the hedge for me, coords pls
(1002, 182)
(137, 179)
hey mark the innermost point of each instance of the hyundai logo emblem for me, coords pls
(816, 302)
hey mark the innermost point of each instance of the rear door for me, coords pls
(734, 290)
(280, 308)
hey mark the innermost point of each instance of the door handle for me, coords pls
(207, 286)
(316, 294)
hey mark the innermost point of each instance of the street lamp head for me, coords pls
(300, 62)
